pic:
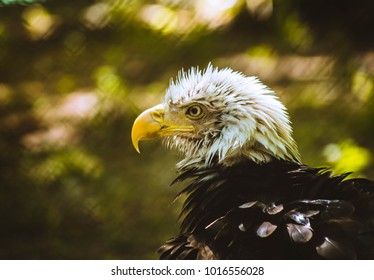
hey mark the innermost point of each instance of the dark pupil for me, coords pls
(194, 111)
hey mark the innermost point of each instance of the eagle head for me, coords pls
(219, 116)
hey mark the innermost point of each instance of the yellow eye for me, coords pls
(194, 112)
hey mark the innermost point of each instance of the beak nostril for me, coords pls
(158, 115)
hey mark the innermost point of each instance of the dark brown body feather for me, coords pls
(277, 210)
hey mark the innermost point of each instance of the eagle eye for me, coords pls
(195, 112)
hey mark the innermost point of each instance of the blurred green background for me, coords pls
(75, 74)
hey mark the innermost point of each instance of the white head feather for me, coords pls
(249, 119)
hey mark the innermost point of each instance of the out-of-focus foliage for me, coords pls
(74, 75)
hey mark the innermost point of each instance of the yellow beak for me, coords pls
(151, 124)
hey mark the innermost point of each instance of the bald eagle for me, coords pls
(248, 196)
